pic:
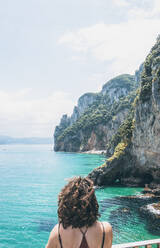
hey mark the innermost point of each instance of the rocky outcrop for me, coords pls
(139, 72)
(140, 161)
(84, 102)
(152, 213)
(147, 207)
(119, 87)
(96, 117)
(64, 123)
(146, 133)
(117, 170)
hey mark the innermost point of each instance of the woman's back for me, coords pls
(78, 217)
(94, 237)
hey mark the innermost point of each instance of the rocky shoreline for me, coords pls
(99, 152)
(148, 207)
(134, 209)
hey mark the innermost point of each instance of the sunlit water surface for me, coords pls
(31, 177)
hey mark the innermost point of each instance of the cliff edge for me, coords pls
(135, 149)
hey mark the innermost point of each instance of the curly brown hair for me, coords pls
(77, 203)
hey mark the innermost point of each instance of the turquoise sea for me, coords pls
(31, 177)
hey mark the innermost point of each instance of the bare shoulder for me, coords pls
(107, 227)
(53, 237)
(109, 235)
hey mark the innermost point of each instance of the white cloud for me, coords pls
(141, 13)
(124, 45)
(156, 8)
(22, 116)
(122, 3)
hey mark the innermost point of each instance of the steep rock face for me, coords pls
(136, 158)
(146, 134)
(83, 103)
(119, 87)
(97, 117)
(92, 137)
(64, 123)
(139, 72)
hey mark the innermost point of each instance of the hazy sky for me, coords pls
(53, 51)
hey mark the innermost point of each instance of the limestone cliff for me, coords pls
(146, 134)
(96, 117)
(135, 158)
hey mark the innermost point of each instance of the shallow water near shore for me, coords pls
(31, 177)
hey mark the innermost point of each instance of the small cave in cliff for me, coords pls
(148, 178)
(142, 177)
(134, 179)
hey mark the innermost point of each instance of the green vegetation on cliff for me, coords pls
(119, 150)
(143, 94)
(126, 81)
(150, 67)
(123, 134)
(98, 113)
(109, 106)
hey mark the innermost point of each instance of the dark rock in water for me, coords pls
(153, 218)
(154, 186)
(157, 192)
(132, 210)
(140, 205)
(154, 191)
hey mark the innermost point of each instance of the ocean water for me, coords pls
(31, 177)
